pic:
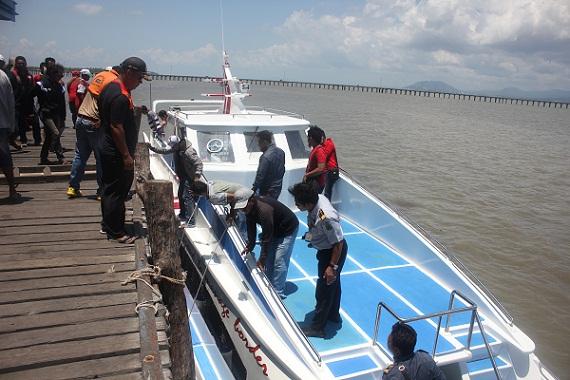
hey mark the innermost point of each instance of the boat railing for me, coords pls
(472, 308)
(289, 317)
(275, 111)
(503, 312)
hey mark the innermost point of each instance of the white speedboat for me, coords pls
(393, 271)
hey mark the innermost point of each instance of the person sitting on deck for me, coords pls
(188, 167)
(408, 364)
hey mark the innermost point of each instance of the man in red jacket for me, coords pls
(72, 94)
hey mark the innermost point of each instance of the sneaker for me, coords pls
(73, 193)
(24, 145)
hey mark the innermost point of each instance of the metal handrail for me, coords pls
(504, 313)
(474, 317)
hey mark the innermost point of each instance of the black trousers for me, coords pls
(328, 296)
(116, 183)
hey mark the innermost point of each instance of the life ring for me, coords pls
(215, 145)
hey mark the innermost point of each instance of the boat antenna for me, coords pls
(222, 29)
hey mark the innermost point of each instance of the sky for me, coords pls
(469, 44)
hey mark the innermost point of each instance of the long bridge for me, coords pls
(374, 89)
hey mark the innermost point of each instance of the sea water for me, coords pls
(490, 181)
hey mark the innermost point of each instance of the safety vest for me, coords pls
(101, 80)
(125, 92)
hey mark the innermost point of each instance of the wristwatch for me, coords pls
(333, 266)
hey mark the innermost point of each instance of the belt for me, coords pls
(91, 119)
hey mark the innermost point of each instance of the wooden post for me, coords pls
(161, 226)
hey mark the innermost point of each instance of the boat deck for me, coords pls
(373, 272)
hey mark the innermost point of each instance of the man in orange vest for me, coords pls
(116, 146)
(86, 128)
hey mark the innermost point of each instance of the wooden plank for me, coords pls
(59, 282)
(71, 303)
(95, 368)
(62, 246)
(48, 229)
(61, 318)
(65, 352)
(64, 271)
(66, 262)
(68, 291)
(51, 253)
(60, 220)
(68, 333)
(65, 236)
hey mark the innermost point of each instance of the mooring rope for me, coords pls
(154, 272)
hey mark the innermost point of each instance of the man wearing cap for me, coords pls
(223, 193)
(279, 227)
(188, 167)
(325, 234)
(87, 126)
(116, 146)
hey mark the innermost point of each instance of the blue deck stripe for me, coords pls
(351, 365)
(483, 364)
(414, 285)
(361, 304)
(476, 340)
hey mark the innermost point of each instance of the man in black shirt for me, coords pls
(279, 227)
(271, 168)
(116, 146)
(408, 364)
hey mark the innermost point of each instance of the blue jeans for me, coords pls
(86, 143)
(186, 202)
(277, 262)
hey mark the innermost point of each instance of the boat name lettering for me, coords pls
(225, 313)
(252, 349)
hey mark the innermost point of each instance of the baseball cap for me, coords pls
(85, 72)
(173, 140)
(242, 196)
(137, 64)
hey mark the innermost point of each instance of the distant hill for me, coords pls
(437, 86)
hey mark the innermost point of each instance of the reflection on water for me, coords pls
(490, 181)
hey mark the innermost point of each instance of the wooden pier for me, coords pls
(64, 312)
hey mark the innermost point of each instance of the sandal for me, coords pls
(126, 239)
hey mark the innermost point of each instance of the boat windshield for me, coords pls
(297, 141)
(215, 147)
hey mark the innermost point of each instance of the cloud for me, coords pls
(474, 44)
(175, 57)
(87, 8)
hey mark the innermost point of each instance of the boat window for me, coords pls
(251, 142)
(215, 147)
(297, 141)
